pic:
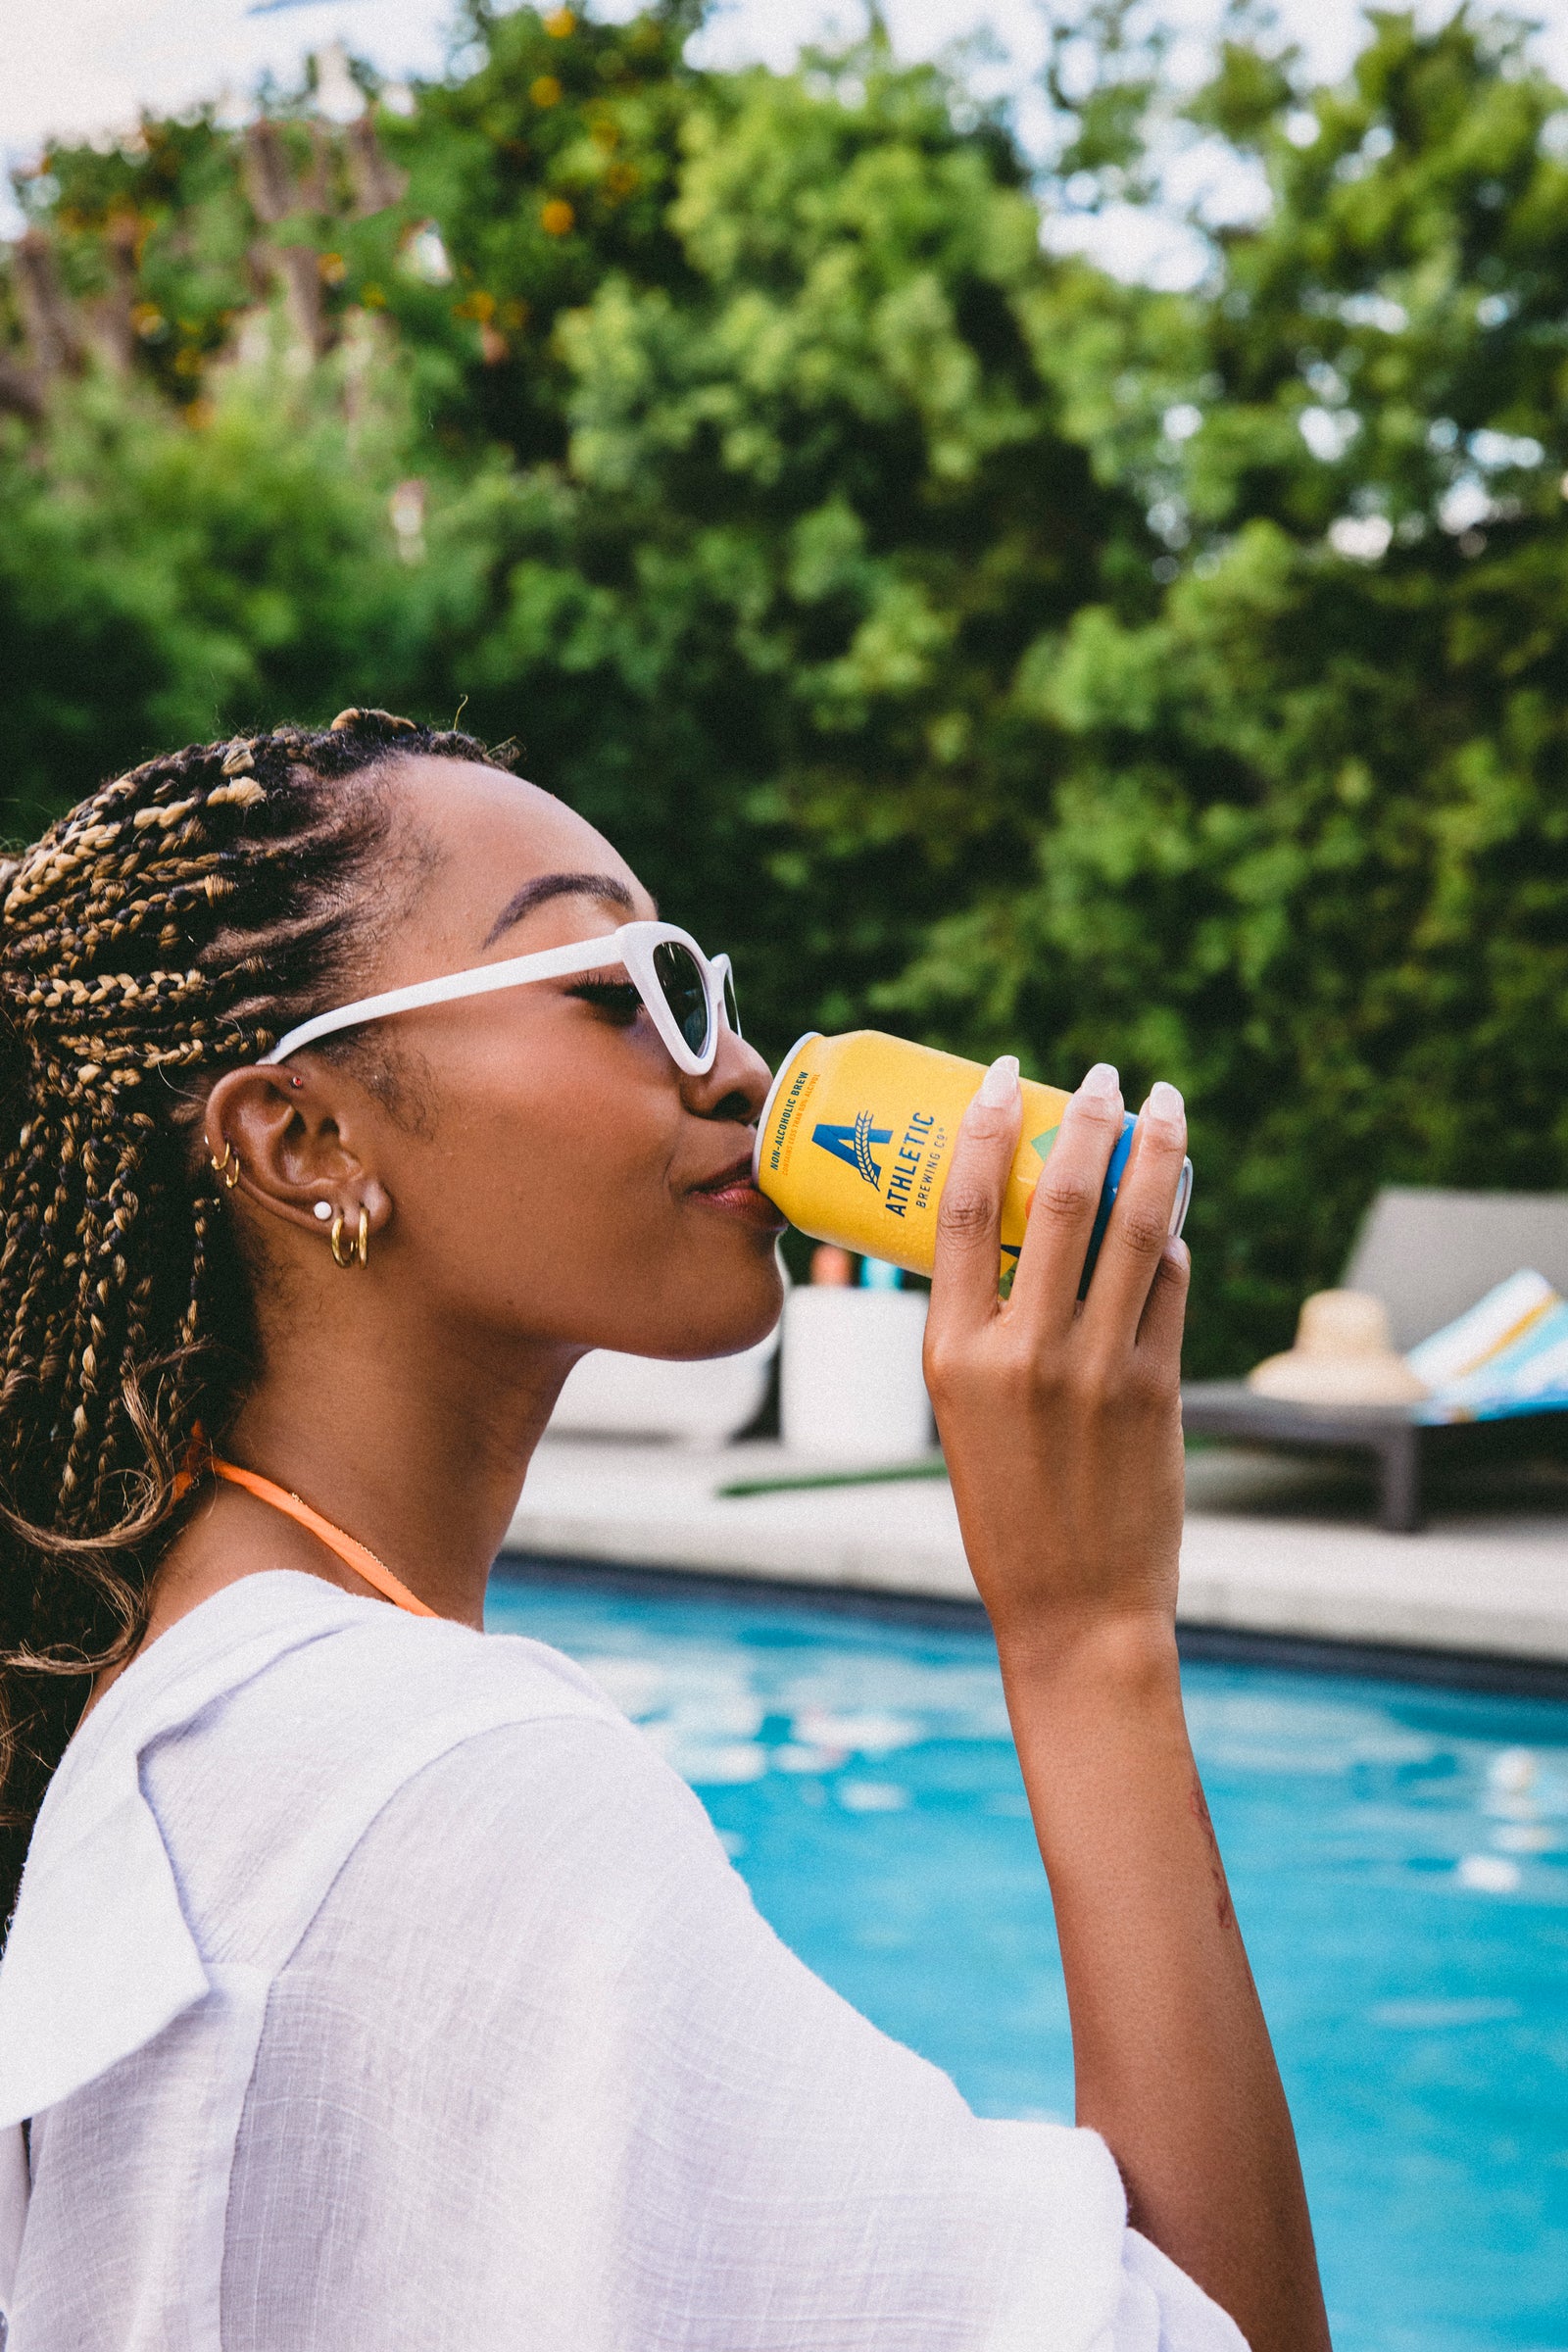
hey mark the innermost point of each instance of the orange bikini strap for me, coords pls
(363, 1563)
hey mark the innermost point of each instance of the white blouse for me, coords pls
(376, 1987)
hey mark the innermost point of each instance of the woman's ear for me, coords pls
(291, 1143)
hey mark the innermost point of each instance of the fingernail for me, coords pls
(999, 1088)
(1165, 1103)
(1102, 1082)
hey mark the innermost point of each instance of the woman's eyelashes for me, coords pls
(616, 998)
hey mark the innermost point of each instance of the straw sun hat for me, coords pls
(1342, 1355)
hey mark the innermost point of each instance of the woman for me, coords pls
(372, 1984)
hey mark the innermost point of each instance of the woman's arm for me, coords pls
(1063, 1431)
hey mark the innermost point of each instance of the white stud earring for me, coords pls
(323, 1209)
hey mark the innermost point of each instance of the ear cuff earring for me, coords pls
(228, 1167)
(358, 1253)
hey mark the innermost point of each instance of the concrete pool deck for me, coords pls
(1273, 1547)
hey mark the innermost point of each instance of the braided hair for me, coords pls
(171, 927)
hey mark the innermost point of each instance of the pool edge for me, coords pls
(1295, 1653)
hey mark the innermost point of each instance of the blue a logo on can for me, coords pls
(852, 1145)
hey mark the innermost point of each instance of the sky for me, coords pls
(85, 67)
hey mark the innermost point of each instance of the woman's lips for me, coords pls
(737, 1195)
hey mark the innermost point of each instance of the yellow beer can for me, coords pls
(856, 1136)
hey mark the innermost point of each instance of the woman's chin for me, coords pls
(716, 1316)
(732, 1337)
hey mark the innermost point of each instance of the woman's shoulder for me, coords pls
(436, 1769)
(292, 1662)
(319, 1706)
(286, 1645)
(334, 1661)
(208, 1802)
(269, 1732)
(230, 1776)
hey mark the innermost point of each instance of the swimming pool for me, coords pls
(1400, 1861)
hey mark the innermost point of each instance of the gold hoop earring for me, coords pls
(228, 1167)
(359, 1249)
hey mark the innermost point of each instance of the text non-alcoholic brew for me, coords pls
(855, 1139)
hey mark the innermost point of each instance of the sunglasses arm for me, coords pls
(551, 963)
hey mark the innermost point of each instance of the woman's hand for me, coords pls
(1061, 1423)
(1062, 1429)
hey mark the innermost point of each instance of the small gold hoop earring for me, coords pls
(227, 1167)
(358, 1253)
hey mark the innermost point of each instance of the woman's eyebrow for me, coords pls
(603, 887)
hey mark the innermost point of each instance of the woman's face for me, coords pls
(553, 1176)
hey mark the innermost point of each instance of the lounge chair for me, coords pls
(1428, 1256)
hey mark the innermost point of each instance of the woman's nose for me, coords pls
(735, 1088)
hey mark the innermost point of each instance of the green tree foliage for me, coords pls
(973, 642)
(1310, 849)
(816, 507)
(160, 582)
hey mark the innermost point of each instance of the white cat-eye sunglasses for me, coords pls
(690, 997)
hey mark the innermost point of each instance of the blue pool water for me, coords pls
(1400, 1861)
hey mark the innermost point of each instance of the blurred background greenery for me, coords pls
(970, 642)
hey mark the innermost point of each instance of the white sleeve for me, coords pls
(559, 2084)
(1162, 2310)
